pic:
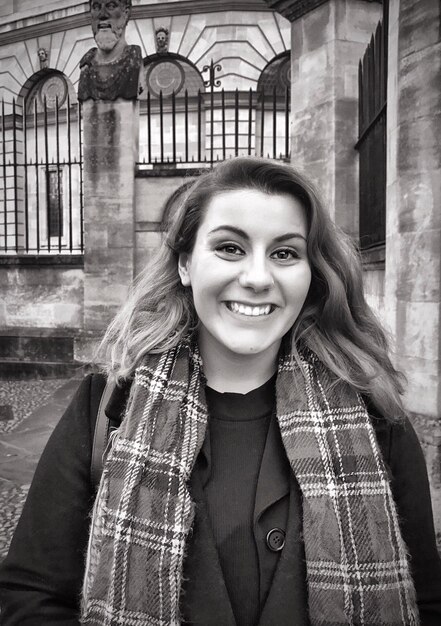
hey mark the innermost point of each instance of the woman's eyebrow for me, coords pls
(243, 234)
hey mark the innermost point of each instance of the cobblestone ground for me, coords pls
(18, 400)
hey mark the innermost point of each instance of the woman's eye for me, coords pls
(285, 254)
(229, 249)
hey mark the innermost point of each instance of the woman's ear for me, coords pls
(183, 268)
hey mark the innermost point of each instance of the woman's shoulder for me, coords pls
(396, 437)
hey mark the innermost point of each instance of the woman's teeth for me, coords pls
(253, 311)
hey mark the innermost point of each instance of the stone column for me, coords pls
(326, 46)
(110, 131)
(413, 225)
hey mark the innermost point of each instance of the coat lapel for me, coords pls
(286, 603)
(204, 597)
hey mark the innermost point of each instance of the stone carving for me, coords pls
(113, 69)
(161, 40)
(43, 58)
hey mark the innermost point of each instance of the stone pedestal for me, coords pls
(413, 226)
(110, 150)
(327, 44)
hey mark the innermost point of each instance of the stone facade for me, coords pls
(242, 37)
(413, 227)
(327, 44)
(242, 40)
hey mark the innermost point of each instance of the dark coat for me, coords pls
(41, 579)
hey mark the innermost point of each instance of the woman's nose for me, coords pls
(256, 275)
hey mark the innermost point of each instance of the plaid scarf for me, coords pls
(357, 570)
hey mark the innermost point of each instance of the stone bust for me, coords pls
(113, 69)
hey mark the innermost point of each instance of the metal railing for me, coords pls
(41, 201)
(41, 179)
(213, 126)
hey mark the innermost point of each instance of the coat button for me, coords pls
(275, 539)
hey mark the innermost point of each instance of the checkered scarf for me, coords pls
(357, 570)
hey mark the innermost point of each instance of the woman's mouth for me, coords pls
(249, 310)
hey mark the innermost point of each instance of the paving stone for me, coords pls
(35, 406)
(12, 499)
(23, 397)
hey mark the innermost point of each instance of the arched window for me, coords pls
(52, 88)
(276, 74)
(273, 107)
(174, 122)
(52, 163)
(172, 73)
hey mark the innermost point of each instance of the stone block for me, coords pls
(419, 90)
(152, 194)
(317, 27)
(147, 243)
(36, 348)
(107, 263)
(418, 329)
(356, 20)
(105, 291)
(85, 348)
(68, 314)
(314, 63)
(421, 395)
(419, 25)
(418, 200)
(98, 316)
(419, 266)
(120, 235)
(419, 144)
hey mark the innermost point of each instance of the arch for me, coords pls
(48, 83)
(276, 74)
(171, 72)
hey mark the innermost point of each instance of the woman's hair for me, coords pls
(335, 322)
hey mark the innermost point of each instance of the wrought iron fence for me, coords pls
(41, 202)
(41, 183)
(371, 143)
(212, 126)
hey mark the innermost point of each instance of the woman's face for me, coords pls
(249, 271)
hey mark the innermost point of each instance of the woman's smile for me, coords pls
(249, 273)
(250, 310)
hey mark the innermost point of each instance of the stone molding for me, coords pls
(162, 9)
(294, 9)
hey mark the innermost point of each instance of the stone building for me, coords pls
(72, 235)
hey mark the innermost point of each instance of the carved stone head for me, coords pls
(161, 39)
(43, 57)
(109, 21)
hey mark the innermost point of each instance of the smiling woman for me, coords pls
(262, 470)
(249, 275)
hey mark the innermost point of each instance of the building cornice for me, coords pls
(162, 9)
(294, 9)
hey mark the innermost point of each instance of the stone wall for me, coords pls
(152, 189)
(413, 224)
(327, 44)
(48, 297)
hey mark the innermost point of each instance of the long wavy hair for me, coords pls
(335, 322)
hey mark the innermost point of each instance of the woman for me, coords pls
(263, 472)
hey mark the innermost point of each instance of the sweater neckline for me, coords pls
(254, 404)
